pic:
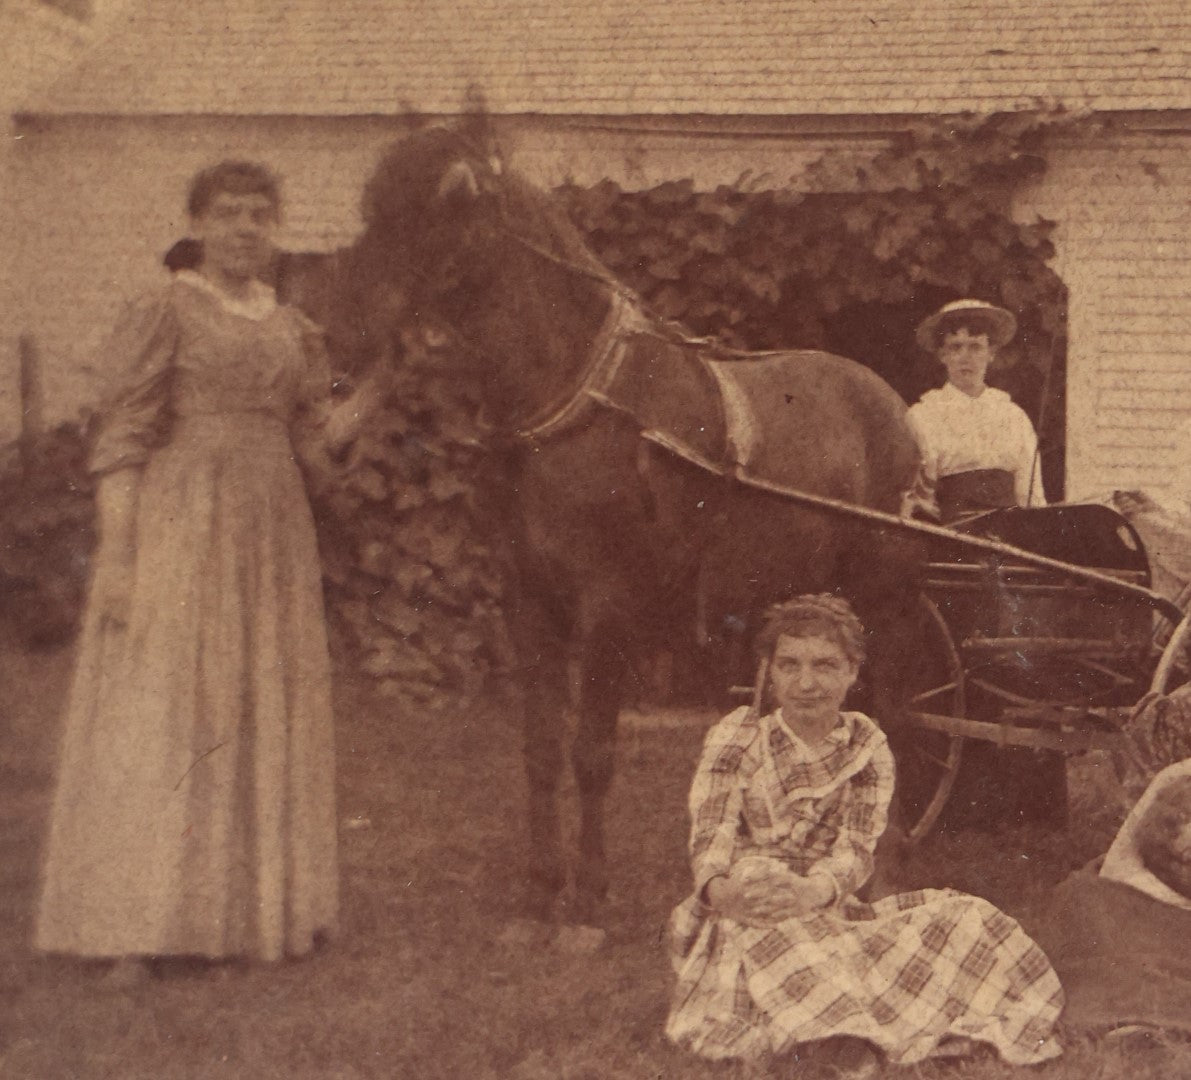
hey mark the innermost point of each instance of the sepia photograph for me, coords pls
(620, 541)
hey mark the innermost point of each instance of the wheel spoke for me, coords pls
(926, 695)
(935, 755)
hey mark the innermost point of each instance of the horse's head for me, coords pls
(471, 244)
(430, 211)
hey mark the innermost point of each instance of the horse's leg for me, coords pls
(886, 598)
(604, 666)
(544, 683)
(892, 632)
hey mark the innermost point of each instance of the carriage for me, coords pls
(1056, 646)
(1041, 630)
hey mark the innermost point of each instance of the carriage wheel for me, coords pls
(1151, 742)
(931, 760)
(1173, 667)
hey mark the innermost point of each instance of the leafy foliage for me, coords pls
(47, 532)
(412, 586)
(870, 244)
(851, 263)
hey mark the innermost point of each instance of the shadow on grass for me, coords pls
(431, 976)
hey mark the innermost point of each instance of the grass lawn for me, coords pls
(433, 977)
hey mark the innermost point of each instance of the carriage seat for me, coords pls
(1085, 534)
(1016, 616)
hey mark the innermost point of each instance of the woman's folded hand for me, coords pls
(769, 897)
(348, 416)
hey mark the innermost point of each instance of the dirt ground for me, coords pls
(433, 975)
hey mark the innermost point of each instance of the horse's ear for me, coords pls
(458, 179)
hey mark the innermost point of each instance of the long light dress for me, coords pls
(904, 973)
(195, 809)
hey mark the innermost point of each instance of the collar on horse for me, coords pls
(624, 318)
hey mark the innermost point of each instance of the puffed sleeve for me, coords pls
(1027, 467)
(314, 391)
(860, 819)
(923, 496)
(134, 418)
(717, 797)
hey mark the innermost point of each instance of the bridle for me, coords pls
(626, 316)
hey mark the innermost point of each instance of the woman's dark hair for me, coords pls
(233, 178)
(971, 321)
(186, 254)
(813, 615)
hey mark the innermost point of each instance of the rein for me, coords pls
(607, 350)
(627, 315)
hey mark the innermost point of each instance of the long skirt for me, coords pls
(904, 973)
(195, 810)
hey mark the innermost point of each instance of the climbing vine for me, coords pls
(850, 260)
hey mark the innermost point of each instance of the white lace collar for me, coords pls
(259, 304)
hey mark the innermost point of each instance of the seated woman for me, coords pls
(978, 448)
(773, 951)
(1118, 932)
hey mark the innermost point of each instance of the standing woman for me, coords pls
(979, 450)
(195, 806)
(773, 952)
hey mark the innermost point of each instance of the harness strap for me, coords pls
(607, 354)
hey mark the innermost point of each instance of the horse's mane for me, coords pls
(400, 198)
(536, 216)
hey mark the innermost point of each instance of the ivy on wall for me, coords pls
(849, 262)
(47, 532)
(412, 583)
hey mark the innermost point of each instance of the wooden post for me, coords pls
(32, 417)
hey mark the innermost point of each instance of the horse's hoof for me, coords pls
(580, 940)
(541, 901)
(127, 973)
(523, 934)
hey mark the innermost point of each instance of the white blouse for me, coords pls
(959, 433)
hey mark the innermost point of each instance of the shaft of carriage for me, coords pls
(1160, 603)
(1029, 650)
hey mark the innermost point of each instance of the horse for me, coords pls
(624, 516)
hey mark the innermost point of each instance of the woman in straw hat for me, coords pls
(978, 448)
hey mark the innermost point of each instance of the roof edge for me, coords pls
(721, 124)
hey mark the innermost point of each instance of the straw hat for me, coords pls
(1002, 324)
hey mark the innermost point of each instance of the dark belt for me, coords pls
(974, 491)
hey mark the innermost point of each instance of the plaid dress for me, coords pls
(904, 973)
